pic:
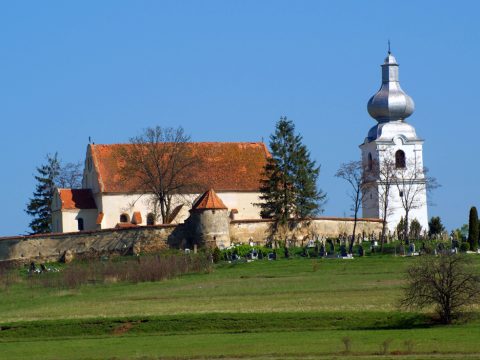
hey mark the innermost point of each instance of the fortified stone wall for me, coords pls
(244, 231)
(123, 241)
(150, 239)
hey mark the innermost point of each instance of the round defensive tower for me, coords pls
(210, 222)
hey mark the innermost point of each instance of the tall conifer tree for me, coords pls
(39, 206)
(289, 190)
(473, 228)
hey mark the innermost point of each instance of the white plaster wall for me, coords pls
(57, 221)
(90, 176)
(113, 205)
(69, 219)
(243, 202)
(420, 212)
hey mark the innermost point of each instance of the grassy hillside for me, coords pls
(290, 308)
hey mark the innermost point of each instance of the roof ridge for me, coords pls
(190, 142)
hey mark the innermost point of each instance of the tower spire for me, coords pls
(390, 103)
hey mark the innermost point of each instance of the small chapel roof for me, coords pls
(209, 201)
(77, 199)
(224, 166)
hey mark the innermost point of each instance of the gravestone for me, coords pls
(322, 250)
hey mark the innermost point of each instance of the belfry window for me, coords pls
(370, 162)
(124, 218)
(80, 224)
(400, 159)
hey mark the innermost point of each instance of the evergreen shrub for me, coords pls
(464, 246)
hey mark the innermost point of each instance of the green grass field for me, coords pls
(285, 309)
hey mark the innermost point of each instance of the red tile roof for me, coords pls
(99, 218)
(209, 200)
(222, 166)
(77, 199)
(125, 225)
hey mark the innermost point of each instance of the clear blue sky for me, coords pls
(226, 71)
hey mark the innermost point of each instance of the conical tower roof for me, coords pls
(209, 201)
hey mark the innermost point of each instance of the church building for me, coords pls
(392, 155)
(234, 171)
(107, 200)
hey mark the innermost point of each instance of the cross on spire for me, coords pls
(389, 52)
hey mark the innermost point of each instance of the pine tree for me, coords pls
(401, 229)
(415, 229)
(39, 206)
(435, 227)
(289, 189)
(473, 229)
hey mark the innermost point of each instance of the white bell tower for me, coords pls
(392, 154)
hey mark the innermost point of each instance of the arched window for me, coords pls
(124, 218)
(370, 162)
(80, 224)
(150, 219)
(400, 159)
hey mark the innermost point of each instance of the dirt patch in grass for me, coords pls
(122, 329)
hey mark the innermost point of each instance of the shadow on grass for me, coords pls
(215, 323)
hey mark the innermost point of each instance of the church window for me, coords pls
(400, 159)
(150, 219)
(80, 224)
(401, 193)
(370, 162)
(123, 218)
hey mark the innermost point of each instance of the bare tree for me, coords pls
(447, 282)
(413, 182)
(161, 162)
(384, 173)
(70, 175)
(353, 173)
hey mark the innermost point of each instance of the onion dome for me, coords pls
(390, 103)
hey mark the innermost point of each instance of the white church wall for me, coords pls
(243, 202)
(69, 219)
(90, 176)
(113, 205)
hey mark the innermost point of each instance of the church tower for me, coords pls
(392, 155)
